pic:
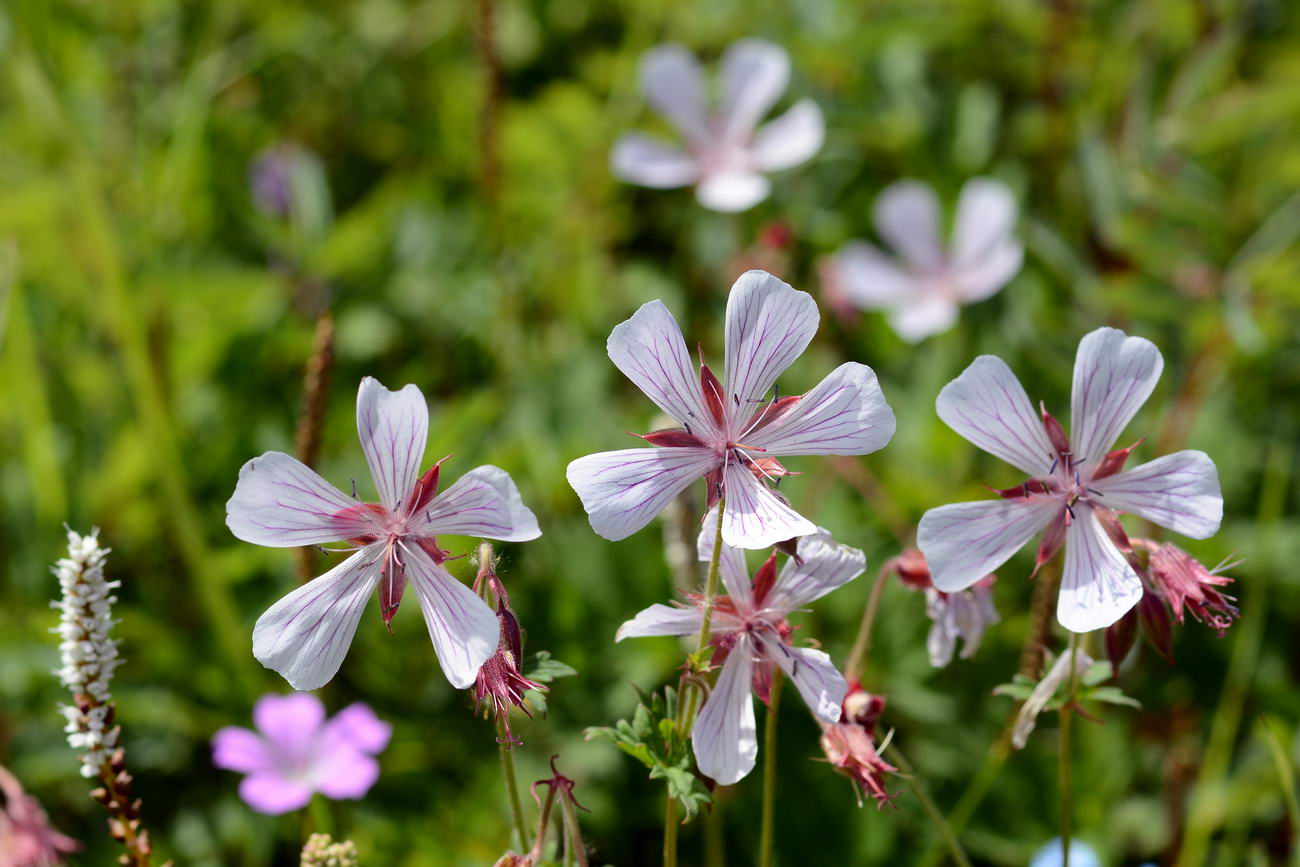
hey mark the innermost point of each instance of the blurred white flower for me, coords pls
(964, 614)
(726, 152)
(924, 286)
(1057, 675)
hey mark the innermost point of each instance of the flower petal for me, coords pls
(673, 83)
(238, 749)
(988, 406)
(622, 491)
(826, 565)
(648, 348)
(907, 216)
(725, 733)
(272, 794)
(358, 725)
(394, 427)
(288, 721)
(661, 620)
(983, 277)
(820, 683)
(306, 634)
(649, 162)
(464, 630)
(790, 139)
(1098, 585)
(754, 75)
(769, 323)
(483, 502)
(986, 216)
(845, 414)
(927, 314)
(731, 562)
(1179, 492)
(755, 517)
(342, 771)
(281, 502)
(1113, 376)
(871, 279)
(732, 191)
(963, 542)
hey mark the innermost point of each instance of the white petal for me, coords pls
(826, 566)
(394, 427)
(649, 162)
(725, 734)
(755, 517)
(790, 139)
(661, 620)
(769, 323)
(986, 216)
(281, 502)
(1113, 376)
(941, 640)
(465, 631)
(988, 406)
(984, 276)
(963, 542)
(483, 502)
(1179, 492)
(1098, 585)
(754, 75)
(732, 191)
(907, 216)
(846, 414)
(671, 79)
(731, 562)
(306, 634)
(820, 683)
(649, 349)
(929, 313)
(871, 279)
(622, 491)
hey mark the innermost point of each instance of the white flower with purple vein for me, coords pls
(731, 435)
(1076, 488)
(281, 503)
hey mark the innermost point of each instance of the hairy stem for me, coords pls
(311, 419)
(769, 772)
(670, 831)
(857, 661)
(512, 785)
(1067, 717)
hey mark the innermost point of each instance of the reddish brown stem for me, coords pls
(311, 420)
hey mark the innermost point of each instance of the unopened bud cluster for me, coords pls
(89, 656)
(322, 851)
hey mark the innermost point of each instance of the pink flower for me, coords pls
(1182, 581)
(296, 752)
(750, 635)
(923, 290)
(26, 837)
(281, 503)
(499, 684)
(1076, 489)
(850, 745)
(725, 153)
(732, 435)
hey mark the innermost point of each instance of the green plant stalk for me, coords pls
(1067, 717)
(946, 833)
(768, 828)
(670, 831)
(1286, 779)
(512, 785)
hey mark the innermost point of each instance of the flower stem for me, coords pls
(857, 660)
(769, 772)
(711, 581)
(670, 831)
(1067, 717)
(512, 786)
(923, 798)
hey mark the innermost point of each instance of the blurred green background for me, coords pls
(156, 326)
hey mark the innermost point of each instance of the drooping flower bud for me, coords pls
(850, 747)
(1120, 637)
(499, 684)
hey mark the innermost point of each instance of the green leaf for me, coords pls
(1111, 695)
(542, 668)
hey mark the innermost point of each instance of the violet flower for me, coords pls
(750, 635)
(732, 435)
(725, 152)
(1076, 489)
(923, 289)
(296, 752)
(280, 502)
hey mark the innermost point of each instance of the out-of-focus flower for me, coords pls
(499, 685)
(296, 752)
(850, 745)
(26, 838)
(750, 636)
(1057, 675)
(732, 435)
(280, 177)
(923, 289)
(726, 153)
(1182, 581)
(1076, 489)
(964, 614)
(322, 851)
(1053, 855)
(280, 502)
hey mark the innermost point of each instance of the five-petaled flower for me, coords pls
(280, 502)
(296, 752)
(964, 614)
(924, 288)
(732, 435)
(750, 635)
(725, 152)
(1076, 486)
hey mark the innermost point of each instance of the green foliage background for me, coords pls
(153, 342)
